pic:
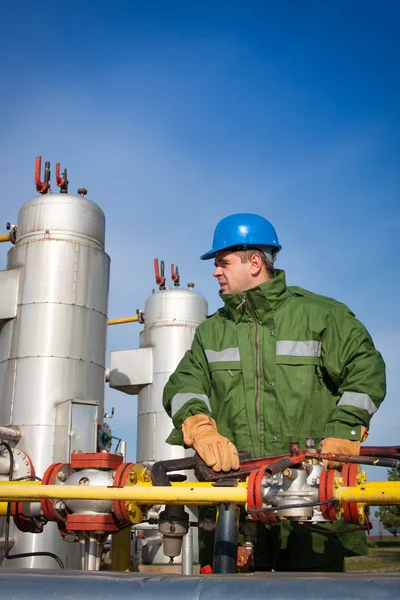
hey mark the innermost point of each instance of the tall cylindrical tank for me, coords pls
(52, 355)
(171, 318)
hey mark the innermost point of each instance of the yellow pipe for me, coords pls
(3, 505)
(21, 482)
(191, 494)
(5, 238)
(124, 320)
(377, 493)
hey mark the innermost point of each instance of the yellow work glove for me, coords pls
(341, 446)
(201, 433)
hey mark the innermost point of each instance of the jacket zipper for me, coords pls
(258, 367)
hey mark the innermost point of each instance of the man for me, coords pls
(274, 365)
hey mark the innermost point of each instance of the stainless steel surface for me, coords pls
(9, 281)
(153, 540)
(175, 306)
(4, 465)
(187, 553)
(151, 436)
(10, 434)
(94, 549)
(48, 541)
(63, 215)
(10, 543)
(22, 466)
(295, 487)
(54, 350)
(171, 318)
(90, 477)
(75, 428)
(130, 370)
(123, 449)
(76, 585)
(5, 345)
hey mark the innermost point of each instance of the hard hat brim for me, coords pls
(210, 254)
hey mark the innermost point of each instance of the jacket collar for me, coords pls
(261, 300)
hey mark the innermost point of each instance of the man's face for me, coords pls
(233, 275)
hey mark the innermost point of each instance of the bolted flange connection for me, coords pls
(94, 469)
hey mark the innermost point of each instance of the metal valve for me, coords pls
(173, 525)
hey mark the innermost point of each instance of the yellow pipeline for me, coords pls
(125, 320)
(3, 505)
(377, 493)
(192, 493)
(5, 238)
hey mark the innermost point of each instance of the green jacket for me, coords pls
(278, 364)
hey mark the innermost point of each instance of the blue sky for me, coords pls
(175, 114)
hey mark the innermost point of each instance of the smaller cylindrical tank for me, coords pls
(171, 318)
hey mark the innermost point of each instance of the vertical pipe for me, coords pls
(93, 554)
(123, 449)
(82, 546)
(10, 434)
(187, 553)
(226, 538)
(121, 550)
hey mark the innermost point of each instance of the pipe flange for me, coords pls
(55, 474)
(255, 498)
(23, 465)
(353, 512)
(92, 522)
(329, 480)
(96, 460)
(130, 474)
(25, 523)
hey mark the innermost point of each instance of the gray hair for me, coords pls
(267, 253)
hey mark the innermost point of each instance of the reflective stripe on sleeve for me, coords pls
(179, 401)
(358, 400)
(291, 348)
(227, 355)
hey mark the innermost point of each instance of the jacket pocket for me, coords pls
(301, 405)
(226, 380)
(228, 404)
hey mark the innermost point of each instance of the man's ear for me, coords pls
(256, 263)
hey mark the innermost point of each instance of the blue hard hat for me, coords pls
(242, 231)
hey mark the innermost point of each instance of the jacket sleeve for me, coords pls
(187, 392)
(357, 369)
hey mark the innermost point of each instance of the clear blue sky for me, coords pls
(175, 114)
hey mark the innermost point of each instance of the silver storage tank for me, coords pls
(171, 318)
(52, 355)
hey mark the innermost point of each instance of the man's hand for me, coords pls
(201, 433)
(341, 446)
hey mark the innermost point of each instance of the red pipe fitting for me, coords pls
(41, 186)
